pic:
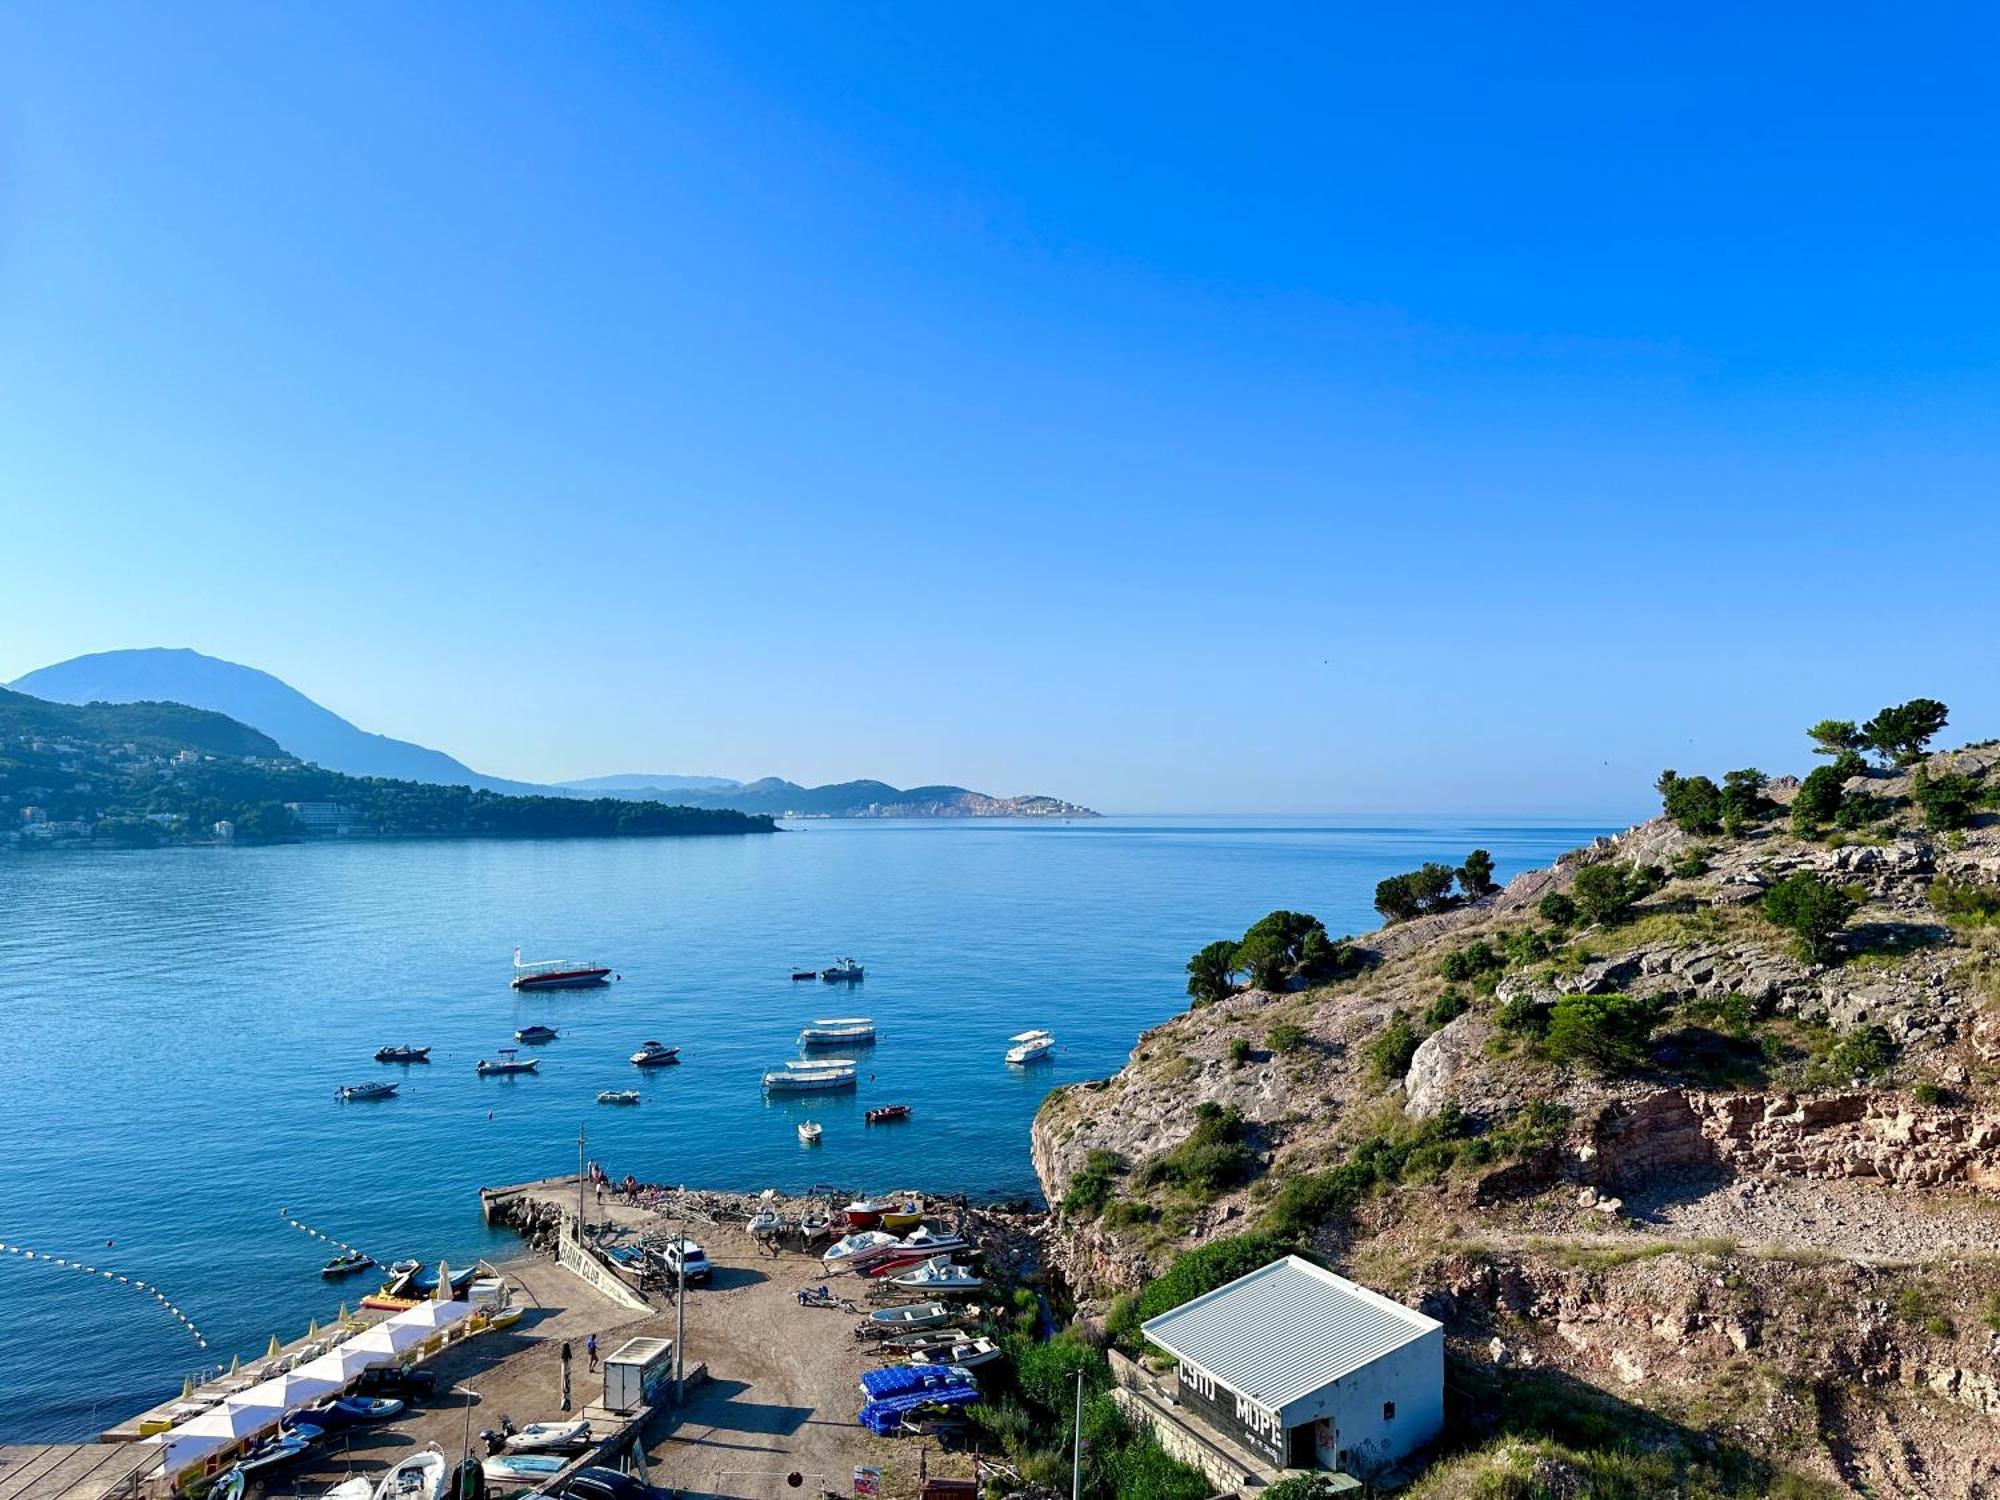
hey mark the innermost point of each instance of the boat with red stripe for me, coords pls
(559, 974)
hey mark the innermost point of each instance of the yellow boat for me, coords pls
(907, 1215)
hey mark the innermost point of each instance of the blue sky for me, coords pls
(1337, 408)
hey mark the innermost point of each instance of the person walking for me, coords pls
(590, 1348)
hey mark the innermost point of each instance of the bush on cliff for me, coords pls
(1946, 798)
(1902, 734)
(1277, 949)
(1607, 893)
(1817, 800)
(1211, 1160)
(1212, 973)
(1814, 910)
(1417, 893)
(1606, 1033)
(1091, 1188)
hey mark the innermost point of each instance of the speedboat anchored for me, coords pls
(403, 1054)
(1030, 1046)
(847, 971)
(842, 1031)
(353, 1091)
(809, 1132)
(534, 1036)
(618, 1096)
(559, 974)
(507, 1063)
(655, 1055)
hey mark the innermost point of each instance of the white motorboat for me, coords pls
(421, 1476)
(939, 1277)
(847, 971)
(656, 1055)
(559, 974)
(910, 1315)
(857, 1250)
(968, 1355)
(507, 1063)
(549, 1437)
(810, 1077)
(933, 1241)
(618, 1096)
(365, 1091)
(839, 1031)
(766, 1222)
(523, 1468)
(809, 1132)
(1030, 1046)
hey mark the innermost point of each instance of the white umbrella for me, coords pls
(443, 1293)
(428, 1316)
(342, 1365)
(292, 1389)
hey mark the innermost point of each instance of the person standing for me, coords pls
(590, 1348)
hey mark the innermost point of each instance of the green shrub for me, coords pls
(1475, 876)
(1607, 892)
(1417, 893)
(1091, 1188)
(1525, 947)
(1693, 803)
(1212, 973)
(1469, 962)
(1285, 1037)
(1692, 865)
(1861, 1053)
(1124, 1213)
(1448, 1007)
(1732, 1015)
(1394, 1045)
(1965, 904)
(1522, 1016)
(1313, 1486)
(1931, 1094)
(1903, 733)
(1211, 1160)
(1812, 909)
(1606, 1033)
(1239, 1051)
(1556, 909)
(1947, 799)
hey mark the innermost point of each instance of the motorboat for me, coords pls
(559, 974)
(856, 1250)
(345, 1411)
(895, 1265)
(809, 1132)
(422, 1282)
(1030, 1046)
(403, 1054)
(346, 1264)
(405, 1268)
(534, 1036)
(766, 1222)
(934, 1242)
(965, 1355)
(507, 1063)
(809, 1078)
(352, 1091)
(847, 971)
(939, 1277)
(865, 1213)
(910, 1315)
(887, 1114)
(655, 1055)
(907, 1215)
(534, 1469)
(549, 1437)
(618, 1096)
(421, 1476)
(816, 1223)
(839, 1031)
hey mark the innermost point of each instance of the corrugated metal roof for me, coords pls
(1286, 1330)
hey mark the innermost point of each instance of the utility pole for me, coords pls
(1076, 1450)
(680, 1306)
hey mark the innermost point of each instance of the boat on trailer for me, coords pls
(910, 1316)
(938, 1277)
(559, 974)
(421, 1476)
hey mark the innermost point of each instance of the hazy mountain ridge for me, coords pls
(310, 732)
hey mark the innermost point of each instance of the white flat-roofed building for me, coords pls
(1307, 1369)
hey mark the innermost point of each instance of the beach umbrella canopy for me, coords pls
(293, 1388)
(443, 1293)
(342, 1364)
(386, 1339)
(428, 1316)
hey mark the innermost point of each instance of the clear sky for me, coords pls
(1232, 408)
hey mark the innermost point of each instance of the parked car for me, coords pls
(603, 1484)
(668, 1256)
(396, 1382)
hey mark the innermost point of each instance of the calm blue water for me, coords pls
(177, 1021)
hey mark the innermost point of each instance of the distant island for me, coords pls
(136, 775)
(317, 735)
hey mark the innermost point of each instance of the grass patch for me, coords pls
(1213, 1158)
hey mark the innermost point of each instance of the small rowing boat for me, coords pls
(909, 1316)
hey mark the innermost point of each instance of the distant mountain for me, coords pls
(877, 799)
(160, 674)
(650, 781)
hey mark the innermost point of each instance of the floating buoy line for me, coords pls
(286, 1214)
(69, 1263)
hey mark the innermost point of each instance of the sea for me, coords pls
(177, 1022)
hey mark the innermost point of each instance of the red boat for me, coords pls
(890, 1265)
(865, 1214)
(559, 974)
(886, 1113)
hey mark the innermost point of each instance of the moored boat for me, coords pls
(655, 1055)
(798, 974)
(352, 1091)
(1030, 1046)
(839, 1031)
(847, 971)
(887, 1114)
(507, 1063)
(802, 1078)
(618, 1096)
(346, 1264)
(534, 1036)
(809, 1135)
(559, 974)
(403, 1054)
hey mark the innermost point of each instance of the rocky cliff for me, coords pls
(1768, 1218)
